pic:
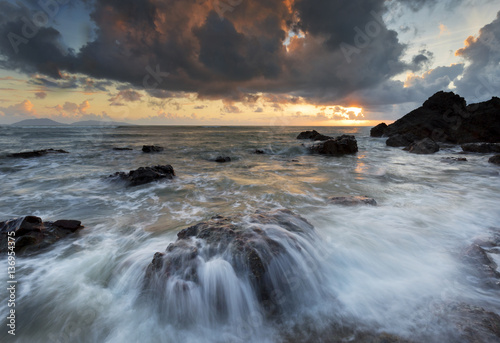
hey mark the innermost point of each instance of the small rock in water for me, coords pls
(37, 153)
(145, 175)
(481, 147)
(32, 234)
(454, 159)
(314, 135)
(151, 148)
(222, 159)
(423, 147)
(341, 145)
(495, 159)
(352, 201)
(259, 152)
(123, 149)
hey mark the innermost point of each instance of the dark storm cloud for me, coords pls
(481, 79)
(343, 47)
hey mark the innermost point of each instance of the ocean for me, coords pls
(391, 268)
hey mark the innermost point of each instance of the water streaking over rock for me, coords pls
(229, 271)
(411, 269)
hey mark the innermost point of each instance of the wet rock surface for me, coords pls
(251, 248)
(352, 201)
(151, 148)
(494, 159)
(145, 175)
(342, 145)
(398, 140)
(445, 117)
(481, 147)
(379, 130)
(425, 146)
(313, 135)
(32, 235)
(479, 260)
(37, 153)
(474, 324)
(222, 159)
(454, 159)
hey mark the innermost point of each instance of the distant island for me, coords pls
(50, 122)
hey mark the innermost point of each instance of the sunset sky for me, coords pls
(242, 62)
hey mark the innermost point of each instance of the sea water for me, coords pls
(387, 268)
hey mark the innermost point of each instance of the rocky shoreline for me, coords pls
(446, 118)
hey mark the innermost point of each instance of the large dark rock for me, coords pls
(423, 147)
(31, 235)
(481, 147)
(145, 175)
(495, 159)
(379, 130)
(37, 153)
(262, 249)
(151, 148)
(481, 124)
(352, 201)
(445, 117)
(314, 135)
(342, 145)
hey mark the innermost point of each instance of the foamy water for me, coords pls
(390, 268)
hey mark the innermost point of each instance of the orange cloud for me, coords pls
(25, 108)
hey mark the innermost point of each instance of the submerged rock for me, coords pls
(261, 260)
(423, 147)
(31, 235)
(145, 175)
(481, 147)
(495, 159)
(222, 159)
(445, 117)
(379, 130)
(352, 201)
(123, 149)
(37, 153)
(454, 159)
(314, 135)
(342, 145)
(151, 148)
(479, 261)
(474, 324)
(259, 152)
